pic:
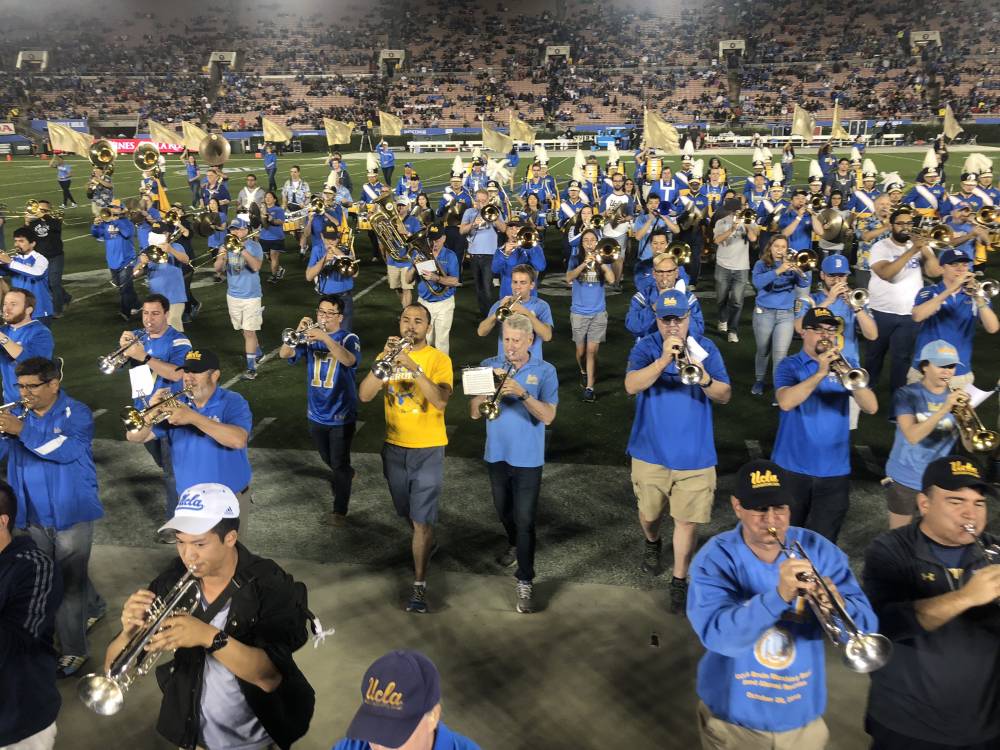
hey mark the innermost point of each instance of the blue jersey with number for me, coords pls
(332, 395)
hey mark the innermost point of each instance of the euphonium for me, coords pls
(384, 365)
(146, 156)
(505, 311)
(104, 694)
(111, 362)
(852, 378)
(971, 427)
(863, 652)
(297, 337)
(490, 408)
(388, 227)
(138, 419)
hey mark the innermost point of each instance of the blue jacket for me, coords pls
(117, 238)
(386, 158)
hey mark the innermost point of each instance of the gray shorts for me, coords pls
(592, 328)
(415, 476)
(901, 500)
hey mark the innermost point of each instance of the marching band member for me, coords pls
(751, 184)
(397, 271)
(835, 245)
(967, 237)
(323, 276)
(535, 185)
(694, 234)
(796, 223)
(48, 242)
(570, 211)
(584, 221)
(482, 236)
(29, 269)
(762, 680)
(687, 160)
(617, 202)
(826, 161)
(588, 312)
(243, 294)
(64, 176)
(100, 190)
(770, 209)
(869, 231)
(403, 186)
(499, 196)
(927, 196)
(477, 178)
(534, 213)
(436, 289)
(50, 467)
(989, 195)
(416, 395)
(512, 254)
(717, 172)
(331, 355)
(249, 195)
(647, 223)
(843, 179)
(676, 473)
(813, 442)
(732, 265)
(754, 192)
(643, 270)
(295, 192)
(667, 186)
(270, 159)
(194, 179)
(386, 160)
(935, 596)
(527, 303)
(165, 277)
(787, 162)
(862, 200)
(332, 214)
(233, 681)
(272, 235)
(640, 320)
(551, 186)
(215, 188)
(116, 233)
(816, 179)
(151, 186)
(455, 194)
(515, 445)
(338, 174)
(21, 338)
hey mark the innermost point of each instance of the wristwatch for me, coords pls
(220, 640)
(524, 396)
(146, 360)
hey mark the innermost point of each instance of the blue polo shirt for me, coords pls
(197, 457)
(673, 421)
(117, 238)
(328, 282)
(516, 437)
(245, 284)
(36, 341)
(814, 437)
(587, 292)
(172, 346)
(448, 263)
(482, 241)
(168, 278)
(843, 311)
(907, 461)
(777, 292)
(801, 238)
(954, 322)
(444, 739)
(541, 310)
(331, 391)
(504, 265)
(274, 232)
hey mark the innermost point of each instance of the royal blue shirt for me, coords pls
(673, 421)
(447, 261)
(814, 437)
(331, 391)
(444, 739)
(171, 346)
(328, 281)
(516, 437)
(117, 238)
(542, 311)
(777, 292)
(801, 237)
(504, 265)
(386, 158)
(272, 232)
(192, 172)
(907, 461)
(270, 160)
(220, 192)
(842, 310)
(31, 272)
(35, 341)
(954, 322)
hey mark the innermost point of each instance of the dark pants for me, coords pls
(884, 738)
(59, 296)
(515, 496)
(347, 298)
(334, 446)
(67, 197)
(188, 271)
(897, 335)
(696, 240)
(821, 503)
(195, 186)
(127, 299)
(159, 449)
(482, 277)
(271, 184)
(387, 173)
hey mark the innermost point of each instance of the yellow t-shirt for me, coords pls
(410, 420)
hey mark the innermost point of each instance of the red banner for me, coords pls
(129, 145)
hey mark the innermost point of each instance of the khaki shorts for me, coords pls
(397, 278)
(245, 314)
(591, 329)
(901, 499)
(717, 734)
(689, 493)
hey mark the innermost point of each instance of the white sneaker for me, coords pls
(723, 327)
(733, 338)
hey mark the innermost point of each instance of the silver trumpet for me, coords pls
(991, 553)
(505, 311)
(852, 378)
(104, 694)
(383, 367)
(490, 408)
(985, 289)
(297, 337)
(858, 298)
(691, 373)
(8, 408)
(117, 359)
(863, 652)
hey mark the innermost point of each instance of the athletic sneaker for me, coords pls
(69, 665)
(525, 604)
(281, 273)
(723, 327)
(733, 338)
(678, 596)
(418, 600)
(588, 396)
(507, 558)
(249, 375)
(651, 558)
(92, 621)
(757, 389)
(272, 279)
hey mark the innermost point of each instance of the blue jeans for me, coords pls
(195, 186)
(515, 496)
(773, 330)
(897, 334)
(272, 185)
(127, 299)
(159, 449)
(59, 296)
(70, 549)
(730, 287)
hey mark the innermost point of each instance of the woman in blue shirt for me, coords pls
(194, 180)
(272, 235)
(218, 235)
(777, 281)
(584, 223)
(533, 213)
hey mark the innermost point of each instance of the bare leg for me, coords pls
(423, 538)
(591, 364)
(685, 537)
(651, 528)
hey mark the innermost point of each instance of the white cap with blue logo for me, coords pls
(201, 506)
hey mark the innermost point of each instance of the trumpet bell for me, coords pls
(867, 652)
(490, 212)
(214, 150)
(985, 441)
(609, 250)
(100, 694)
(691, 374)
(107, 365)
(681, 252)
(132, 419)
(489, 409)
(102, 153)
(806, 260)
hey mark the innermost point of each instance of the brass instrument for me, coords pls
(680, 252)
(102, 154)
(805, 261)
(971, 428)
(938, 234)
(745, 217)
(863, 652)
(505, 311)
(490, 408)
(691, 218)
(852, 378)
(987, 216)
(596, 222)
(858, 298)
(33, 209)
(317, 204)
(233, 246)
(985, 289)
(528, 237)
(616, 216)
(417, 254)
(104, 694)
(425, 216)
(297, 337)
(146, 156)
(9, 408)
(104, 215)
(491, 211)
(990, 553)
(388, 228)
(384, 365)
(214, 150)
(139, 419)
(817, 203)
(157, 254)
(690, 372)
(608, 250)
(347, 264)
(117, 359)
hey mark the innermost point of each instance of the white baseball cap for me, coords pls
(201, 506)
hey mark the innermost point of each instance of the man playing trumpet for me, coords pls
(522, 300)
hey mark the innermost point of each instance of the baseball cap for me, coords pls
(953, 473)
(238, 223)
(836, 264)
(762, 484)
(953, 255)
(402, 200)
(817, 316)
(434, 232)
(201, 506)
(329, 189)
(961, 205)
(396, 692)
(670, 303)
(939, 353)
(200, 361)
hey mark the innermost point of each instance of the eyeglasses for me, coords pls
(671, 320)
(662, 270)
(328, 313)
(822, 331)
(32, 387)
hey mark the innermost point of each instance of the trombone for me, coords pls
(852, 378)
(863, 652)
(505, 311)
(680, 252)
(117, 359)
(139, 419)
(385, 365)
(971, 428)
(490, 408)
(938, 235)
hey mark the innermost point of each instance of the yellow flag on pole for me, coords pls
(193, 136)
(389, 124)
(951, 126)
(493, 140)
(837, 131)
(275, 132)
(660, 134)
(66, 139)
(521, 131)
(337, 131)
(161, 134)
(803, 123)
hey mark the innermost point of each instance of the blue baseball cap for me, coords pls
(239, 224)
(836, 264)
(396, 692)
(939, 353)
(671, 303)
(953, 255)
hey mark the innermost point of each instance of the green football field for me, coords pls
(582, 433)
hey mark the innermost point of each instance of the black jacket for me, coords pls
(268, 611)
(30, 593)
(939, 686)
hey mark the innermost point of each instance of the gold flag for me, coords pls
(337, 131)
(494, 140)
(837, 131)
(521, 131)
(389, 124)
(803, 123)
(951, 126)
(660, 134)
(193, 136)
(66, 139)
(275, 132)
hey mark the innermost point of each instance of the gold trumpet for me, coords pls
(970, 426)
(317, 204)
(805, 260)
(139, 419)
(817, 203)
(987, 216)
(852, 378)
(490, 408)
(505, 311)
(746, 217)
(33, 209)
(528, 237)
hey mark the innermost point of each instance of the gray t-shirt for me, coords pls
(734, 253)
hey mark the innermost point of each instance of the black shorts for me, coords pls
(269, 245)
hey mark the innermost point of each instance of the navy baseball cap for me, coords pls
(939, 353)
(434, 232)
(953, 255)
(953, 473)
(836, 264)
(200, 361)
(762, 484)
(671, 304)
(396, 692)
(817, 316)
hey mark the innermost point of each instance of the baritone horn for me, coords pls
(971, 428)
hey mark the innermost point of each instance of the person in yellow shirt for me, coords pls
(416, 390)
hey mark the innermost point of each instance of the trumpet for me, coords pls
(9, 408)
(746, 217)
(680, 252)
(858, 298)
(863, 652)
(490, 408)
(104, 694)
(852, 378)
(316, 204)
(117, 359)
(817, 203)
(985, 289)
(297, 337)
(505, 311)
(384, 365)
(691, 373)
(139, 419)
(971, 427)
(991, 553)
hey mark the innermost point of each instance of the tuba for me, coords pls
(971, 428)
(384, 365)
(146, 156)
(102, 154)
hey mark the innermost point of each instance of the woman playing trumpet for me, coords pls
(586, 220)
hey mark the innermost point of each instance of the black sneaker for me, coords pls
(678, 596)
(418, 600)
(651, 558)
(588, 396)
(525, 604)
(507, 558)
(273, 279)
(280, 274)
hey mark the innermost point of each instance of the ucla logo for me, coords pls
(760, 479)
(964, 468)
(928, 577)
(387, 697)
(775, 649)
(668, 301)
(195, 355)
(947, 351)
(190, 502)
